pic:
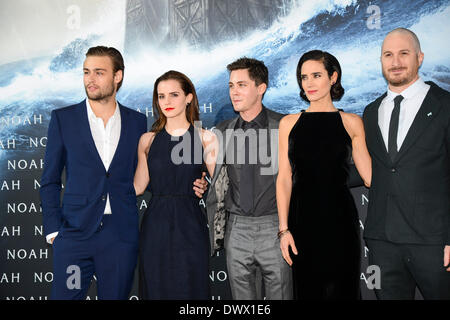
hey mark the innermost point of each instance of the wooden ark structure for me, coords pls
(197, 22)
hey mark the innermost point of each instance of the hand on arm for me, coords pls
(200, 186)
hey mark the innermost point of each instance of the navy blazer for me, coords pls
(70, 146)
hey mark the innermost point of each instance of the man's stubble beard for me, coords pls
(101, 96)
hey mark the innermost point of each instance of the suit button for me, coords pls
(108, 174)
(393, 170)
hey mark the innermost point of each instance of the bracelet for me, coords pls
(280, 233)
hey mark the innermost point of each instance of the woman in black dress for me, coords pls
(318, 218)
(174, 243)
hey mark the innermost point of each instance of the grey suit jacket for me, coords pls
(215, 201)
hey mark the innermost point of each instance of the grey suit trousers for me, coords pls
(252, 246)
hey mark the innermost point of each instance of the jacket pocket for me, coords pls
(129, 198)
(74, 199)
(431, 213)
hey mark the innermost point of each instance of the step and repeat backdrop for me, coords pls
(44, 45)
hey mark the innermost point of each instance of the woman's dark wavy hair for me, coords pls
(331, 64)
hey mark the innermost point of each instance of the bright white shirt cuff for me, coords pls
(50, 236)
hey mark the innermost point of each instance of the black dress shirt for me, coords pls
(257, 134)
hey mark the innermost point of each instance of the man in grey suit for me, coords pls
(407, 228)
(242, 193)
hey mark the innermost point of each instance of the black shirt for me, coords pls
(252, 138)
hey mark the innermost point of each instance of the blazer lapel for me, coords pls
(124, 131)
(374, 128)
(429, 109)
(86, 134)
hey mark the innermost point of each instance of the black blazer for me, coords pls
(409, 200)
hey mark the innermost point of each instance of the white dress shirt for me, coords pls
(106, 139)
(410, 105)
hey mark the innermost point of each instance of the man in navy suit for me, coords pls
(95, 230)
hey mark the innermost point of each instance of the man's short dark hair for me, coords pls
(115, 56)
(257, 70)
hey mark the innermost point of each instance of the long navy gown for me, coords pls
(174, 245)
(323, 218)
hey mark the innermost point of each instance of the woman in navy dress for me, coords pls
(174, 245)
(319, 221)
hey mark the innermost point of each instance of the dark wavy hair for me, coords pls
(192, 109)
(331, 64)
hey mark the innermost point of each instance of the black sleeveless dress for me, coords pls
(323, 218)
(174, 240)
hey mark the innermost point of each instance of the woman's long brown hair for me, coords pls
(192, 110)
